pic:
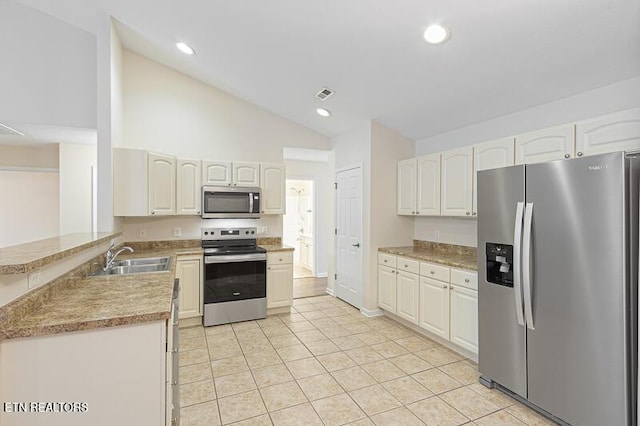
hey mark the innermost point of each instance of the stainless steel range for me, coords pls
(235, 282)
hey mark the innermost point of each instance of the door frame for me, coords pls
(356, 165)
(315, 209)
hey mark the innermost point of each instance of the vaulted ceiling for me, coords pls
(503, 55)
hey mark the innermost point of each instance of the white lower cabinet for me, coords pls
(279, 280)
(434, 306)
(464, 318)
(442, 300)
(189, 271)
(407, 296)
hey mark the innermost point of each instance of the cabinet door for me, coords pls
(434, 306)
(162, 184)
(189, 190)
(407, 187)
(216, 173)
(272, 183)
(387, 288)
(246, 174)
(188, 270)
(279, 285)
(407, 285)
(609, 133)
(428, 203)
(491, 155)
(464, 318)
(555, 143)
(457, 182)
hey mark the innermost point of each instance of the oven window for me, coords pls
(225, 282)
(226, 202)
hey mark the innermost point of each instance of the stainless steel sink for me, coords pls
(137, 266)
(142, 261)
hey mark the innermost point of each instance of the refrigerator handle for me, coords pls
(526, 265)
(517, 260)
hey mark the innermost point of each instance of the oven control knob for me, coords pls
(246, 232)
(206, 233)
(253, 232)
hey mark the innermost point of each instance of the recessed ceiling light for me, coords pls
(185, 48)
(323, 112)
(436, 34)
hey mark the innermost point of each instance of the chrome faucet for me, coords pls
(111, 257)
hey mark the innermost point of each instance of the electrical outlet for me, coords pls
(143, 232)
(34, 279)
(177, 232)
(436, 235)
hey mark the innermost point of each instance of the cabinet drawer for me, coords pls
(409, 265)
(387, 260)
(280, 257)
(466, 279)
(435, 272)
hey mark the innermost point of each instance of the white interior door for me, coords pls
(349, 236)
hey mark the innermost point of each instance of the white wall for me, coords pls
(45, 156)
(48, 72)
(109, 116)
(76, 187)
(351, 148)
(607, 99)
(323, 173)
(168, 112)
(386, 227)
(30, 207)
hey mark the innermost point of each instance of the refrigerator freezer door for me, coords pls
(577, 354)
(501, 352)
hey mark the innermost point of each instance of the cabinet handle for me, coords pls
(153, 212)
(466, 280)
(432, 272)
(468, 213)
(269, 268)
(406, 266)
(417, 212)
(174, 350)
(579, 154)
(445, 286)
(474, 213)
(567, 156)
(197, 212)
(451, 287)
(175, 383)
(385, 261)
(280, 260)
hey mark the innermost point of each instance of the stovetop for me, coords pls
(230, 241)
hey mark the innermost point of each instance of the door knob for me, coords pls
(356, 245)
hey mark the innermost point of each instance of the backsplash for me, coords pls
(446, 248)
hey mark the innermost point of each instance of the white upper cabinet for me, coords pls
(246, 174)
(491, 155)
(162, 184)
(407, 187)
(428, 197)
(614, 132)
(130, 182)
(457, 182)
(555, 143)
(216, 173)
(188, 196)
(272, 178)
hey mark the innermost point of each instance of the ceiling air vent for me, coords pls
(324, 94)
(6, 130)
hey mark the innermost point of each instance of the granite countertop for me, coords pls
(467, 260)
(27, 257)
(276, 247)
(86, 302)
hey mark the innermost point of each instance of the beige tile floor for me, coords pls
(327, 364)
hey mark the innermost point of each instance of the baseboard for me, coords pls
(371, 312)
(282, 310)
(190, 322)
(325, 275)
(330, 291)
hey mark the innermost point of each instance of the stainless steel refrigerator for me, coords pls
(557, 286)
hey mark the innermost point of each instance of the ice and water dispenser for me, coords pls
(500, 264)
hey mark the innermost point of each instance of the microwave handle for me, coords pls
(251, 202)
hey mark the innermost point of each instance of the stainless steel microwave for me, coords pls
(227, 202)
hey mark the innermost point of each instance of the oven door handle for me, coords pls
(236, 258)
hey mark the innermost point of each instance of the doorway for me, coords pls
(299, 232)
